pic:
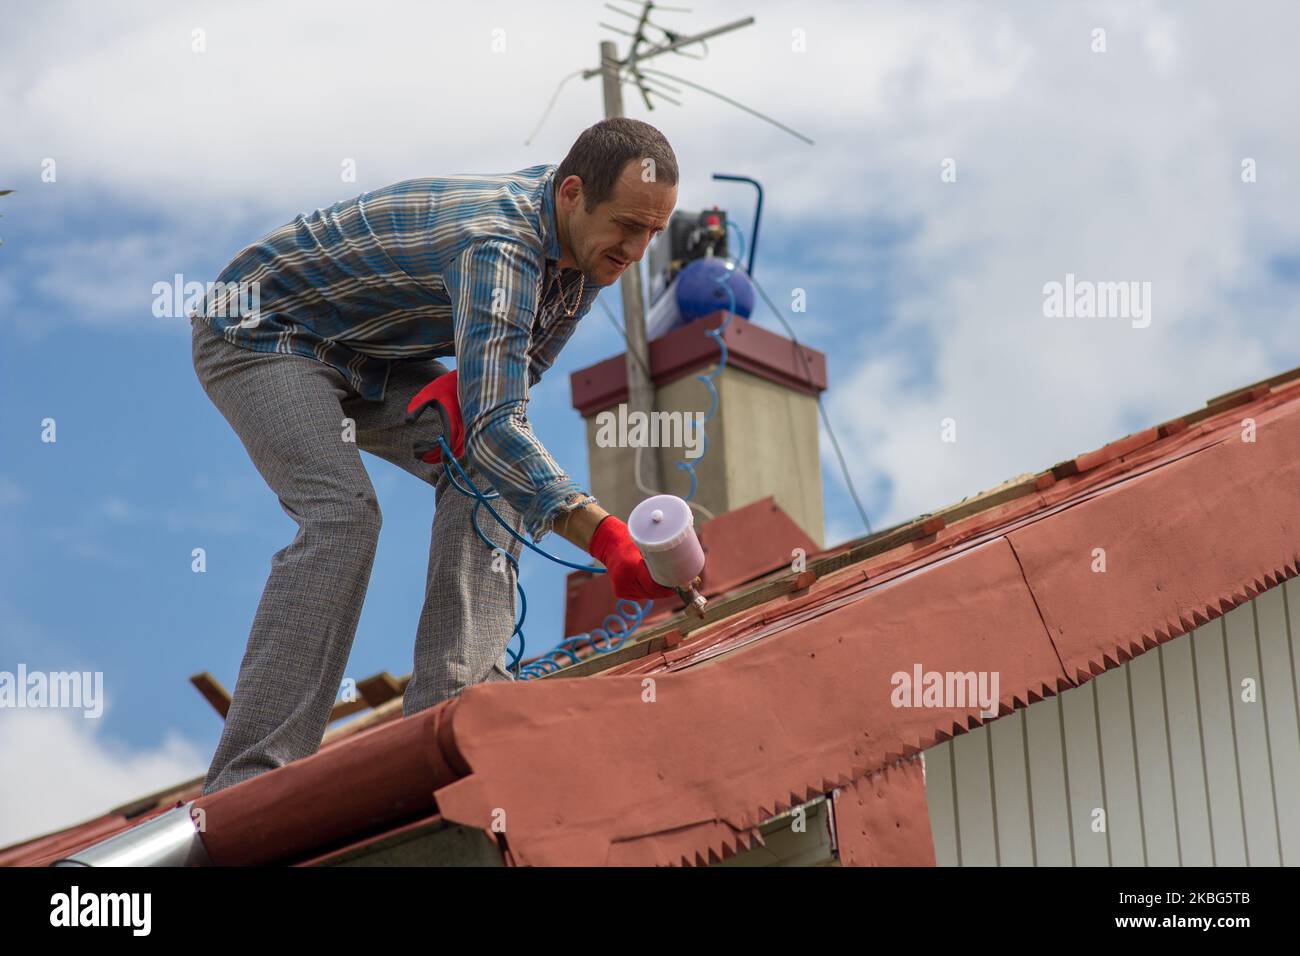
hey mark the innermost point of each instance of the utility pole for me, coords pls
(614, 72)
(640, 386)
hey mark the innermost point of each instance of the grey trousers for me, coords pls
(289, 411)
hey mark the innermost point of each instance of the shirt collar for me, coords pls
(550, 231)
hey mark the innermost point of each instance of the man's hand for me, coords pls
(613, 547)
(441, 391)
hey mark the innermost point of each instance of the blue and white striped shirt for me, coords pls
(464, 266)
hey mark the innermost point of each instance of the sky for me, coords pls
(965, 155)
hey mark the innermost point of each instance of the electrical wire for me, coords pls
(641, 486)
(623, 334)
(614, 629)
(636, 465)
(825, 417)
(826, 420)
(717, 334)
(628, 615)
(549, 106)
(644, 489)
(730, 101)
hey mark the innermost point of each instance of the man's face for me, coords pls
(604, 242)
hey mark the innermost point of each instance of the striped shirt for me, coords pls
(464, 266)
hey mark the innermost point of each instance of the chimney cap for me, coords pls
(750, 347)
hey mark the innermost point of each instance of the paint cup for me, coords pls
(663, 528)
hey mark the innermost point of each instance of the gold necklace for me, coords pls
(582, 284)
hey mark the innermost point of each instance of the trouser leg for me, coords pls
(287, 411)
(469, 608)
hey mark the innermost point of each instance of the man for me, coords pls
(354, 304)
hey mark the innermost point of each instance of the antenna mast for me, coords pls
(640, 386)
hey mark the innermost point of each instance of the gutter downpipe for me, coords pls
(382, 776)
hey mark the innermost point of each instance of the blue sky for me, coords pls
(925, 295)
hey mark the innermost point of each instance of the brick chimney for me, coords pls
(762, 438)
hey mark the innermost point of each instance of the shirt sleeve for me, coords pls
(493, 289)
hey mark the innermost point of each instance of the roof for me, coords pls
(676, 747)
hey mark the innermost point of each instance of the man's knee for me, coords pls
(357, 518)
(362, 515)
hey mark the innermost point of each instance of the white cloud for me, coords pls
(86, 542)
(1086, 164)
(118, 509)
(59, 769)
(111, 281)
(11, 493)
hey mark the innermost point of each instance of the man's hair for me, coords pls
(600, 153)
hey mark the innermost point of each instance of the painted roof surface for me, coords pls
(674, 748)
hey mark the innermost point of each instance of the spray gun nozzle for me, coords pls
(695, 601)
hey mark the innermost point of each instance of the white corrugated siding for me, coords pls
(1187, 772)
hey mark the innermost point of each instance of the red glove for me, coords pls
(441, 392)
(613, 547)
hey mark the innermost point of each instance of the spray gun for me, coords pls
(663, 528)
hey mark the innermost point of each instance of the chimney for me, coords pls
(761, 441)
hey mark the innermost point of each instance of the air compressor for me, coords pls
(692, 272)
